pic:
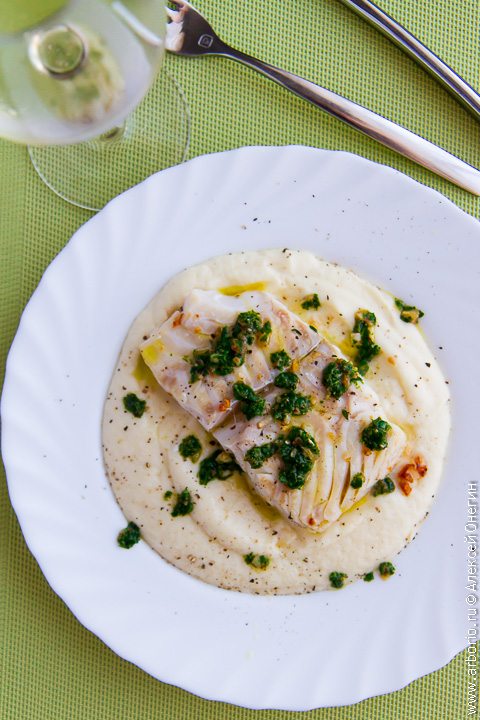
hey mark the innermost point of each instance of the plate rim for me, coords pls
(4, 407)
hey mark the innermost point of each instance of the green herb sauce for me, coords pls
(287, 380)
(375, 435)
(297, 449)
(265, 332)
(220, 465)
(290, 404)
(251, 404)
(337, 377)
(363, 339)
(259, 562)
(386, 569)
(311, 302)
(129, 536)
(134, 405)
(383, 487)
(337, 579)
(229, 346)
(184, 504)
(190, 447)
(280, 359)
(259, 454)
(357, 480)
(408, 313)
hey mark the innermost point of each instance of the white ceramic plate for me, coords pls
(294, 653)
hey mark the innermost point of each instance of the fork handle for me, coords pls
(419, 52)
(375, 126)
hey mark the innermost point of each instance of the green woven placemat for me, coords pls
(50, 667)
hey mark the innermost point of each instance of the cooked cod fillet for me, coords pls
(194, 328)
(327, 492)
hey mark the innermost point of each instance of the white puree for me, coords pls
(229, 520)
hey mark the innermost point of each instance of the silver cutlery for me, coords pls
(190, 34)
(419, 52)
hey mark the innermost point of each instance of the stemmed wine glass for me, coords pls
(80, 84)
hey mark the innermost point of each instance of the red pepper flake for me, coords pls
(421, 468)
(405, 487)
(178, 320)
(224, 405)
(407, 473)
(410, 473)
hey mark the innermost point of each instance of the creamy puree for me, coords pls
(229, 520)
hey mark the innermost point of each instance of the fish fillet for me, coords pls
(327, 492)
(194, 327)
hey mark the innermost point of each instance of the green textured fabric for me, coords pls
(50, 667)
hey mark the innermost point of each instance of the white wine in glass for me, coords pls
(71, 75)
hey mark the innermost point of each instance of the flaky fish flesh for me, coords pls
(191, 332)
(336, 426)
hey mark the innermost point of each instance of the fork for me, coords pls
(190, 34)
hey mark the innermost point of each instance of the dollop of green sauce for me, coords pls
(134, 405)
(375, 435)
(129, 536)
(337, 377)
(289, 404)
(386, 569)
(184, 504)
(311, 302)
(220, 465)
(408, 313)
(251, 404)
(256, 456)
(357, 480)
(280, 359)
(297, 449)
(287, 380)
(363, 339)
(229, 346)
(383, 487)
(190, 447)
(259, 562)
(337, 579)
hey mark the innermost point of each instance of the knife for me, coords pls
(461, 90)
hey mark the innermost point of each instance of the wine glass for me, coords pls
(72, 79)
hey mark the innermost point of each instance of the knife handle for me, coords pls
(461, 90)
(378, 128)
